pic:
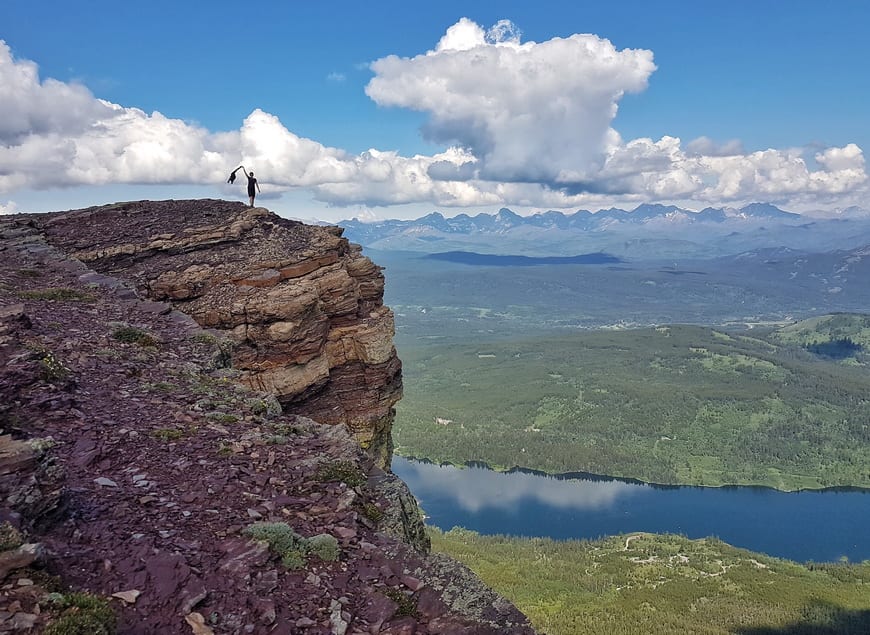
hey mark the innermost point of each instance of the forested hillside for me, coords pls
(647, 584)
(674, 404)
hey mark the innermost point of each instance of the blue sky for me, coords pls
(716, 104)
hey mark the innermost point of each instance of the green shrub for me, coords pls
(50, 367)
(292, 547)
(134, 335)
(265, 407)
(324, 546)
(294, 560)
(372, 512)
(283, 541)
(10, 538)
(83, 614)
(205, 338)
(407, 606)
(343, 471)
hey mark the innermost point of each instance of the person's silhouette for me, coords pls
(252, 183)
(232, 178)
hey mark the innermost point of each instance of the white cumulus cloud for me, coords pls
(534, 112)
(523, 124)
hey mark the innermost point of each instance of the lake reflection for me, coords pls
(812, 525)
(475, 489)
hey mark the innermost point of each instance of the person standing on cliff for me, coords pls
(252, 183)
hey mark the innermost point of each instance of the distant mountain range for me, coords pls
(647, 232)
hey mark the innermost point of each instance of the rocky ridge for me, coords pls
(302, 306)
(135, 457)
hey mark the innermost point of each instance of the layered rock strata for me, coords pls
(133, 466)
(302, 306)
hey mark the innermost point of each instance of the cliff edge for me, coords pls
(148, 482)
(302, 306)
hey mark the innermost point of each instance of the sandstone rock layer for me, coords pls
(302, 306)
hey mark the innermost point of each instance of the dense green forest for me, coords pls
(673, 404)
(646, 584)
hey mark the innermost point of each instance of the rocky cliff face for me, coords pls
(302, 306)
(137, 465)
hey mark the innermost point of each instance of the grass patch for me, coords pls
(343, 471)
(133, 335)
(407, 606)
(10, 538)
(324, 546)
(285, 429)
(58, 294)
(167, 434)
(82, 614)
(223, 418)
(372, 512)
(205, 338)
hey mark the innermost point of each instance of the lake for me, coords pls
(809, 525)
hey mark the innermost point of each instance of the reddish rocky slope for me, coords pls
(136, 458)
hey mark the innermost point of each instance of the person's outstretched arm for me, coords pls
(258, 185)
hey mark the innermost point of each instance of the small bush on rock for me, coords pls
(10, 538)
(292, 547)
(83, 614)
(282, 540)
(134, 335)
(372, 512)
(324, 546)
(343, 471)
(407, 606)
(50, 367)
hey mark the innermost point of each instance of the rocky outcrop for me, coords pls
(302, 306)
(133, 465)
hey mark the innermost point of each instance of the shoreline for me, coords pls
(590, 476)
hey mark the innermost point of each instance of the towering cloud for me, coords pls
(529, 112)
